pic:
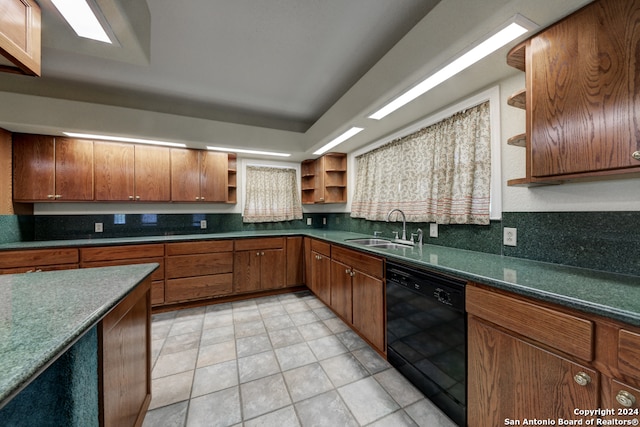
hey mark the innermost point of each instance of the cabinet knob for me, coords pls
(202, 198)
(625, 398)
(636, 155)
(347, 271)
(58, 196)
(50, 196)
(130, 197)
(582, 378)
(137, 197)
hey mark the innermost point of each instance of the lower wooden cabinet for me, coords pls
(319, 270)
(34, 260)
(198, 270)
(124, 360)
(259, 264)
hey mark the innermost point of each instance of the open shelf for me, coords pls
(518, 140)
(518, 99)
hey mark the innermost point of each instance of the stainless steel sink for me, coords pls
(379, 243)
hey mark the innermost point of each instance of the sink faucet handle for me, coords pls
(419, 234)
(395, 235)
(413, 237)
(377, 233)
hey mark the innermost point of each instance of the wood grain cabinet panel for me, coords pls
(341, 290)
(259, 264)
(52, 169)
(320, 276)
(199, 176)
(34, 260)
(295, 261)
(20, 36)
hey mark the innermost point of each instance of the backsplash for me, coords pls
(608, 241)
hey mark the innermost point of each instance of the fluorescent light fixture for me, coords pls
(123, 139)
(339, 140)
(518, 26)
(82, 19)
(240, 150)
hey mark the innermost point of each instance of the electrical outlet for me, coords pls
(309, 221)
(324, 220)
(203, 224)
(510, 236)
(97, 227)
(433, 229)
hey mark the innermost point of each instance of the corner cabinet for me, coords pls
(324, 180)
(533, 360)
(581, 96)
(20, 36)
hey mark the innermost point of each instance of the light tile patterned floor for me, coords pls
(275, 361)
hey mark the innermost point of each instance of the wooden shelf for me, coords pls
(516, 56)
(518, 140)
(324, 180)
(518, 99)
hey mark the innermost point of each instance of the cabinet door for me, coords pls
(623, 398)
(113, 171)
(368, 308)
(295, 263)
(583, 101)
(213, 176)
(272, 268)
(512, 379)
(74, 169)
(341, 296)
(185, 175)
(246, 271)
(33, 167)
(320, 277)
(152, 182)
(20, 36)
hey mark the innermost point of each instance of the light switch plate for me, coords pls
(433, 229)
(309, 221)
(97, 227)
(510, 236)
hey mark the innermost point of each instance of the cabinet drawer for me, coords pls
(570, 334)
(629, 353)
(199, 265)
(198, 287)
(38, 257)
(157, 292)
(321, 247)
(110, 253)
(158, 274)
(364, 263)
(255, 244)
(189, 248)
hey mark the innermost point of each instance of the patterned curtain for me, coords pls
(271, 195)
(441, 173)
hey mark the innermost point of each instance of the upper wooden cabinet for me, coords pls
(126, 172)
(47, 168)
(581, 94)
(199, 176)
(20, 40)
(324, 180)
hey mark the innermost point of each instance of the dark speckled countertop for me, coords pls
(610, 295)
(42, 314)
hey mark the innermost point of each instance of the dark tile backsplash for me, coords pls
(608, 241)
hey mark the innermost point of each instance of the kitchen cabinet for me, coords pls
(125, 360)
(232, 193)
(319, 275)
(295, 260)
(357, 292)
(259, 264)
(324, 180)
(36, 260)
(535, 360)
(47, 168)
(198, 176)
(107, 256)
(199, 270)
(20, 36)
(580, 101)
(128, 172)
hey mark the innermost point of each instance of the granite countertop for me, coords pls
(611, 295)
(42, 314)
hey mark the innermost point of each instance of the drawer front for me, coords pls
(199, 265)
(158, 274)
(255, 244)
(321, 247)
(198, 287)
(38, 257)
(209, 246)
(629, 353)
(364, 263)
(570, 334)
(157, 292)
(110, 253)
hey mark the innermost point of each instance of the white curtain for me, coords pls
(441, 173)
(271, 195)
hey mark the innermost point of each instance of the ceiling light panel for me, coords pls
(240, 150)
(124, 139)
(82, 19)
(339, 140)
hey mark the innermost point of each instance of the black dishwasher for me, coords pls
(426, 334)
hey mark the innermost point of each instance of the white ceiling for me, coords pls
(300, 70)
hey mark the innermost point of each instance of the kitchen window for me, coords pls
(271, 195)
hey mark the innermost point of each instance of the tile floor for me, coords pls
(280, 361)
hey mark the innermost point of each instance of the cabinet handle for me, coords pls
(636, 155)
(582, 378)
(347, 271)
(202, 198)
(318, 257)
(137, 197)
(50, 196)
(130, 197)
(625, 398)
(262, 253)
(58, 196)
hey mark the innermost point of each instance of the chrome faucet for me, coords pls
(404, 222)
